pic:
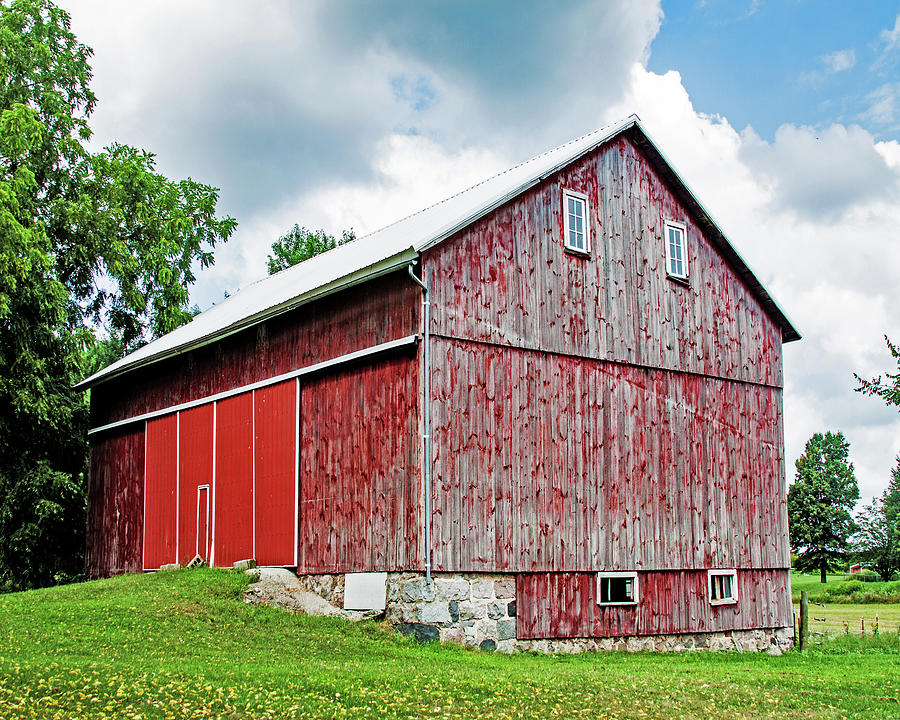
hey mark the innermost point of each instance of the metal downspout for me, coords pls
(426, 417)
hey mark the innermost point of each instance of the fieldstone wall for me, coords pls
(479, 610)
(472, 609)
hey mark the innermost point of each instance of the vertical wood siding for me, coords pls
(275, 445)
(195, 458)
(359, 469)
(233, 488)
(381, 310)
(161, 488)
(507, 279)
(554, 463)
(564, 605)
(115, 520)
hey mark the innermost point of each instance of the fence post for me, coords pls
(804, 620)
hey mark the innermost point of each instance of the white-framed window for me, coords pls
(617, 588)
(575, 211)
(676, 250)
(722, 586)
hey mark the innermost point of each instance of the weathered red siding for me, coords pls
(195, 459)
(232, 501)
(507, 279)
(359, 469)
(115, 520)
(564, 605)
(275, 470)
(160, 492)
(554, 463)
(381, 310)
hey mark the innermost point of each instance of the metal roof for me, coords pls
(400, 243)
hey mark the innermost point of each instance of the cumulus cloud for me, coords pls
(820, 173)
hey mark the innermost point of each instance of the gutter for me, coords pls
(426, 416)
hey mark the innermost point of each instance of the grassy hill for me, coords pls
(181, 644)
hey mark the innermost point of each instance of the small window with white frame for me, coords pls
(676, 250)
(575, 211)
(617, 588)
(722, 586)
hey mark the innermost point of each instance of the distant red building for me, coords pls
(588, 410)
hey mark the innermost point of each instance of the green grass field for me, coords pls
(181, 644)
(838, 589)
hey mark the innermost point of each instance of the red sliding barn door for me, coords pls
(275, 465)
(359, 473)
(195, 463)
(160, 491)
(232, 497)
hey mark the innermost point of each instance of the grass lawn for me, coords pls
(181, 644)
(812, 584)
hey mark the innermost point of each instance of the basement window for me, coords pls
(575, 210)
(676, 250)
(617, 588)
(722, 586)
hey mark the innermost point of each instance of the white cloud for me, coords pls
(839, 61)
(820, 173)
(884, 103)
(891, 37)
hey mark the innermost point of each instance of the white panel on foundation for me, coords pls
(365, 591)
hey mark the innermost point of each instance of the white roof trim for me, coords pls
(386, 250)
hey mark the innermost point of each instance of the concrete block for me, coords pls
(245, 564)
(170, 566)
(365, 591)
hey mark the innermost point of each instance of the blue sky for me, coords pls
(767, 63)
(784, 118)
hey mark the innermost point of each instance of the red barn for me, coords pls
(545, 412)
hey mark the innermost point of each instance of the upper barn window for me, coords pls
(575, 210)
(722, 586)
(676, 250)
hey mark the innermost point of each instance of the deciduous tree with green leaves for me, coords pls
(887, 387)
(819, 503)
(878, 538)
(301, 244)
(90, 242)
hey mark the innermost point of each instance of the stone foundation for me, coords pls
(479, 610)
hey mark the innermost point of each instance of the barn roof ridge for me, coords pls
(490, 178)
(400, 243)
